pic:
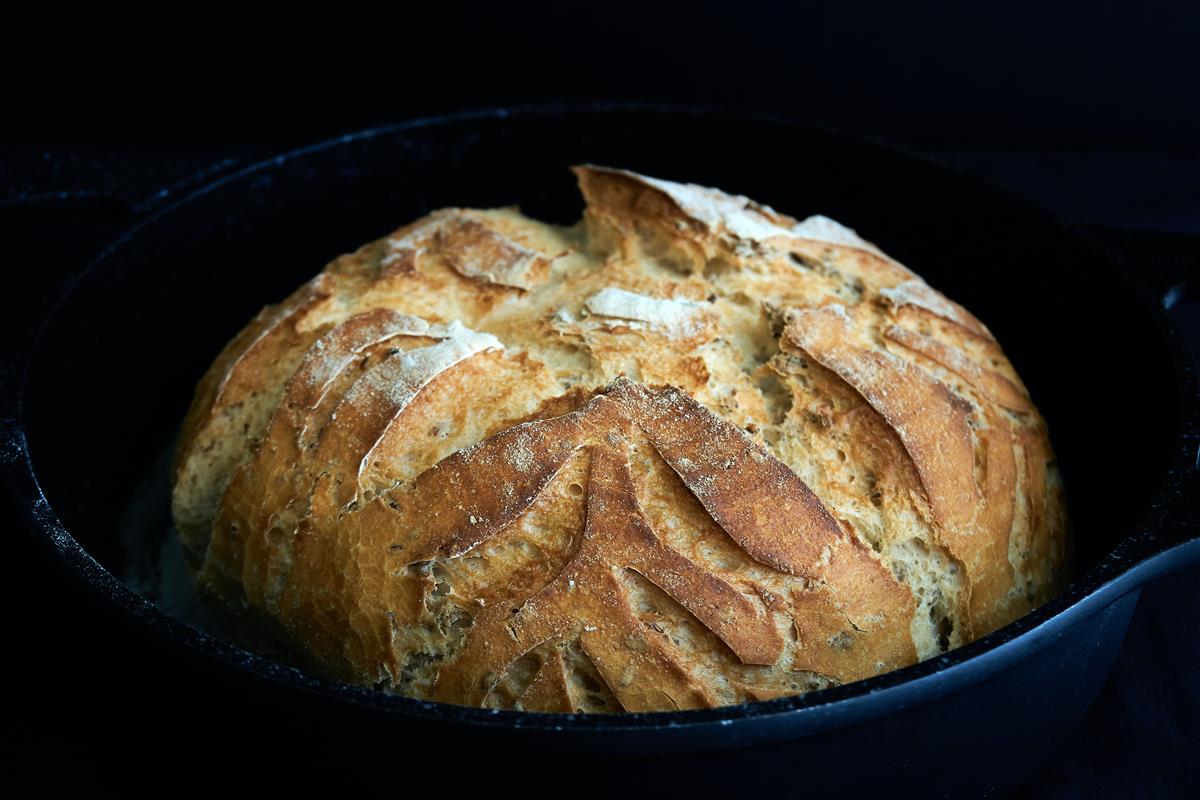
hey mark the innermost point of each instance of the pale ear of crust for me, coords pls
(916, 293)
(626, 196)
(995, 386)
(717, 224)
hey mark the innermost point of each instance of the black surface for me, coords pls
(1047, 783)
(1022, 72)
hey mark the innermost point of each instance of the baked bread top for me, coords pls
(688, 452)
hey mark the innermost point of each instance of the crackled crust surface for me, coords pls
(688, 452)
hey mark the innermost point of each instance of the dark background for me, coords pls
(1090, 107)
(1090, 110)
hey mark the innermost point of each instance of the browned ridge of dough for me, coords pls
(690, 452)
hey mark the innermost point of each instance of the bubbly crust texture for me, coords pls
(688, 452)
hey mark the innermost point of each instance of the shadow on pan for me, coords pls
(115, 365)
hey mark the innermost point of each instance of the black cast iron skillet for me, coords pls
(112, 370)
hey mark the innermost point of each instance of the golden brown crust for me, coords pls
(930, 419)
(223, 411)
(695, 452)
(248, 524)
(736, 481)
(549, 689)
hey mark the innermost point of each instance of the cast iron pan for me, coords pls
(107, 381)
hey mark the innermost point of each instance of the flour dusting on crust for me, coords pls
(679, 318)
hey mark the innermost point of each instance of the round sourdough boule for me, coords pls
(689, 452)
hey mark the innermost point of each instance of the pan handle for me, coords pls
(1168, 262)
(1167, 265)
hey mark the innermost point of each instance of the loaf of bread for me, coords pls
(689, 452)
